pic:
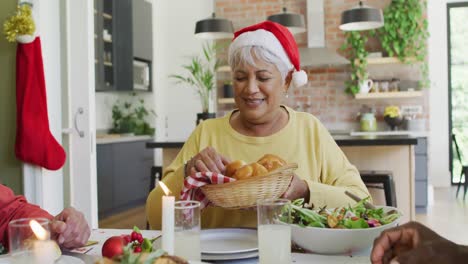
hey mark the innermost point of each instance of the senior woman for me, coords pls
(264, 59)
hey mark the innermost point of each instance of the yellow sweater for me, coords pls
(304, 140)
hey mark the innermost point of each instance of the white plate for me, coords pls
(228, 241)
(64, 259)
(245, 255)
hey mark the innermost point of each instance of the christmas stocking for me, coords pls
(34, 142)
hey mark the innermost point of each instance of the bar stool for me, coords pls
(381, 180)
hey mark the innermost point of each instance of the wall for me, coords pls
(324, 94)
(10, 167)
(174, 42)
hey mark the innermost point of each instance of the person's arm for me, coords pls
(337, 175)
(173, 177)
(415, 243)
(15, 207)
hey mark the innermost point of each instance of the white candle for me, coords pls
(167, 220)
(44, 250)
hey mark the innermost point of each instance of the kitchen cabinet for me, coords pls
(421, 172)
(142, 30)
(123, 30)
(123, 170)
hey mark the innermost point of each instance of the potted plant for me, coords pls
(201, 76)
(128, 118)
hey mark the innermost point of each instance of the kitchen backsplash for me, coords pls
(105, 101)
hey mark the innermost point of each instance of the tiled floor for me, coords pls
(447, 215)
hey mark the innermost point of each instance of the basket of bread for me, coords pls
(269, 177)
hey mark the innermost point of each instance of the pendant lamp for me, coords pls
(214, 28)
(294, 22)
(361, 18)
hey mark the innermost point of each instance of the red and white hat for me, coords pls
(275, 38)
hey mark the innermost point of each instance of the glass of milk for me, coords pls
(274, 232)
(187, 230)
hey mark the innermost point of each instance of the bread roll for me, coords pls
(271, 162)
(250, 170)
(232, 167)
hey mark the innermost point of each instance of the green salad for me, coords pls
(351, 217)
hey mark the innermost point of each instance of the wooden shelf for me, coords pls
(107, 16)
(106, 63)
(388, 95)
(387, 60)
(226, 101)
(225, 68)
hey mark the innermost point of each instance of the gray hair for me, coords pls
(245, 55)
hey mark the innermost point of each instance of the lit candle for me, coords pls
(44, 249)
(167, 220)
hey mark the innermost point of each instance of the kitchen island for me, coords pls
(395, 153)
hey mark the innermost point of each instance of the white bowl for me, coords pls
(337, 241)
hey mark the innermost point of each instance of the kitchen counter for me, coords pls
(341, 140)
(375, 140)
(115, 138)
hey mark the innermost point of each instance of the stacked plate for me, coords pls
(228, 244)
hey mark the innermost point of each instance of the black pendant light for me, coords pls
(214, 28)
(294, 22)
(361, 18)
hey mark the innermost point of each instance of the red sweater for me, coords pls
(14, 207)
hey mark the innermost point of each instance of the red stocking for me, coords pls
(34, 142)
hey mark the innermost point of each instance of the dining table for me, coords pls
(92, 252)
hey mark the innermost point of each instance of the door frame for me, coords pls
(449, 85)
(79, 105)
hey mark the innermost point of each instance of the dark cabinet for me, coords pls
(113, 45)
(421, 172)
(123, 175)
(142, 30)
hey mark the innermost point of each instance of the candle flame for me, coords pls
(38, 230)
(164, 187)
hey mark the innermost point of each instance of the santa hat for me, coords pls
(275, 38)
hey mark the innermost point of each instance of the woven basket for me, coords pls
(245, 193)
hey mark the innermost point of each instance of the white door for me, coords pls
(80, 183)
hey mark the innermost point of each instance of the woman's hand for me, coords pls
(70, 228)
(297, 189)
(207, 160)
(414, 243)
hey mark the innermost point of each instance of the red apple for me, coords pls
(113, 247)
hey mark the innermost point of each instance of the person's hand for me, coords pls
(298, 188)
(414, 243)
(207, 160)
(70, 229)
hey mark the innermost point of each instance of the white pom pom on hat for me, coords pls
(299, 78)
(276, 38)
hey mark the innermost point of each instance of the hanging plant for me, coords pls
(404, 34)
(355, 51)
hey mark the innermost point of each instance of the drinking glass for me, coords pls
(187, 230)
(274, 231)
(24, 245)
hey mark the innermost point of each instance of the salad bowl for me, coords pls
(358, 234)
